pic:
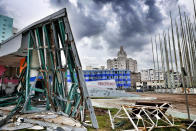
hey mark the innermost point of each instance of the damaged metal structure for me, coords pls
(49, 52)
(143, 116)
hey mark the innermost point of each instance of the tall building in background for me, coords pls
(122, 62)
(6, 27)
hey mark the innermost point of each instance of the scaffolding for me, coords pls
(143, 117)
(51, 53)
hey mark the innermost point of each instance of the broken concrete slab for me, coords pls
(47, 119)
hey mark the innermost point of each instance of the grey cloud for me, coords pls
(59, 2)
(133, 21)
(135, 25)
(86, 25)
(2, 9)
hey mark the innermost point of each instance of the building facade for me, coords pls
(135, 77)
(158, 78)
(122, 62)
(121, 77)
(154, 78)
(6, 27)
(95, 68)
(174, 80)
(151, 75)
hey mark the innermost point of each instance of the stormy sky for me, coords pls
(100, 27)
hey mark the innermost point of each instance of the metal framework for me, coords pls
(51, 53)
(191, 124)
(144, 117)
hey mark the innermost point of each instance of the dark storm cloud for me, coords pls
(85, 25)
(135, 23)
(153, 14)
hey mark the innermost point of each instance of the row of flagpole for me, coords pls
(177, 44)
(177, 49)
